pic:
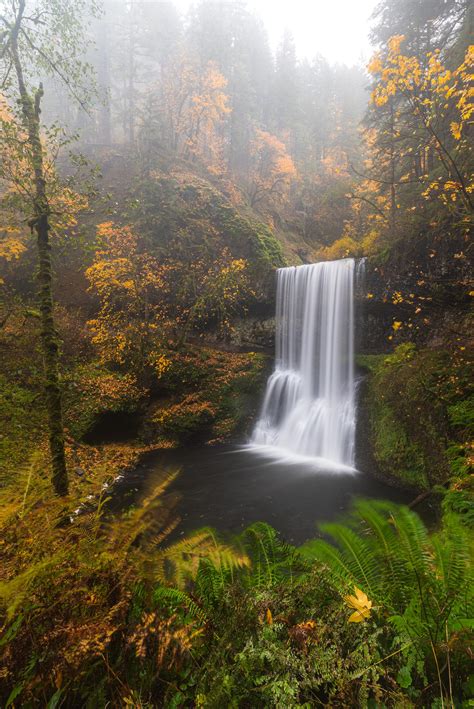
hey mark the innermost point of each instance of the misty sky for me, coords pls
(337, 29)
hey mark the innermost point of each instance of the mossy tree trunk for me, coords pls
(40, 224)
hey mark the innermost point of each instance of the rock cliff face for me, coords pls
(425, 301)
(413, 328)
(255, 333)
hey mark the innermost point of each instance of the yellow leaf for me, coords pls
(456, 130)
(269, 617)
(361, 605)
(359, 616)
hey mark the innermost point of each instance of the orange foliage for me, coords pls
(194, 105)
(272, 169)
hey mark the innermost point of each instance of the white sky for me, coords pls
(337, 29)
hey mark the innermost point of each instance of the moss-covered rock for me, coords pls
(212, 396)
(182, 213)
(93, 392)
(417, 406)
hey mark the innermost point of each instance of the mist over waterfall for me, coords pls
(309, 406)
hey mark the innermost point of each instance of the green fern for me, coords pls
(179, 563)
(357, 555)
(272, 560)
(174, 597)
(386, 551)
(423, 583)
(211, 583)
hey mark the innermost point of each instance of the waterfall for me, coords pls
(309, 407)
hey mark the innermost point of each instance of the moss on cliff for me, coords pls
(419, 412)
(213, 396)
(188, 208)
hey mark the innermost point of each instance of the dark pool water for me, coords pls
(229, 488)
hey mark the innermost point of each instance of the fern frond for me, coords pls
(179, 563)
(210, 583)
(334, 559)
(359, 556)
(382, 536)
(453, 558)
(176, 597)
(412, 539)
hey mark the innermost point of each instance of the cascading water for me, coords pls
(309, 404)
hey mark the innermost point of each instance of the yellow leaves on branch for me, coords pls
(65, 205)
(433, 94)
(193, 105)
(11, 247)
(395, 42)
(361, 604)
(159, 362)
(456, 130)
(426, 82)
(17, 189)
(375, 65)
(128, 283)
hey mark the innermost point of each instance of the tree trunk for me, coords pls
(40, 223)
(49, 341)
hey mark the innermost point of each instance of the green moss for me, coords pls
(168, 207)
(369, 362)
(396, 455)
(21, 425)
(418, 405)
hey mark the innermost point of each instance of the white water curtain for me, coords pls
(309, 406)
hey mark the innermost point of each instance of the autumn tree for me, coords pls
(186, 111)
(211, 293)
(39, 38)
(437, 103)
(272, 170)
(129, 327)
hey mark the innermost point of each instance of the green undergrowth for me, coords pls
(21, 425)
(420, 409)
(108, 612)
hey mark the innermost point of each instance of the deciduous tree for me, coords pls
(129, 327)
(272, 171)
(39, 38)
